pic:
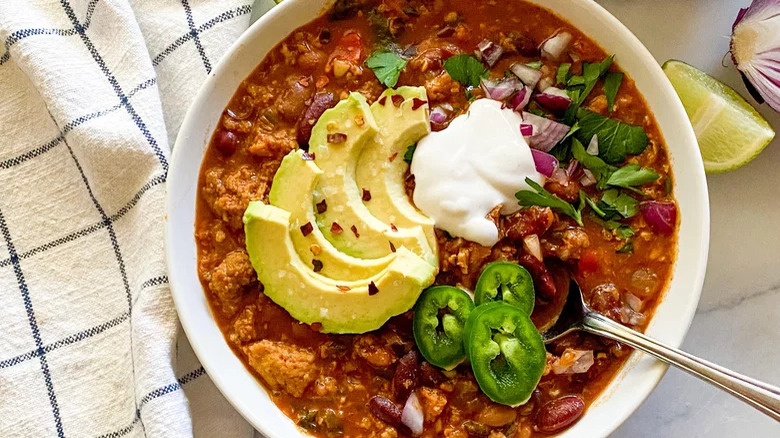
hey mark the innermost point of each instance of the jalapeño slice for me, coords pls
(507, 282)
(439, 320)
(506, 352)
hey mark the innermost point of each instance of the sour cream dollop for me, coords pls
(464, 171)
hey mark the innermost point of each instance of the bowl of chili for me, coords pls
(618, 397)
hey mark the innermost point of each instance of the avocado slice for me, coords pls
(341, 307)
(381, 168)
(337, 140)
(292, 191)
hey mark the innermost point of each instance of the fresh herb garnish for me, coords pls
(579, 87)
(596, 209)
(535, 64)
(470, 97)
(611, 86)
(543, 198)
(601, 170)
(612, 201)
(466, 69)
(409, 154)
(562, 76)
(627, 248)
(622, 231)
(616, 139)
(387, 66)
(668, 185)
(631, 176)
(537, 112)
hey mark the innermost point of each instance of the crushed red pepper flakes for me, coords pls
(397, 99)
(393, 227)
(335, 228)
(416, 103)
(383, 100)
(366, 195)
(392, 157)
(392, 247)
(308, 156)
(337, 138)
(307, 229)
(316, 326)
(317, 265)
(355, 231)
(344, 288)
(372, 289)
(322, 207)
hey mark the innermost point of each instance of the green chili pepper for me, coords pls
(439, 320)
(506, 352)
(507, 282)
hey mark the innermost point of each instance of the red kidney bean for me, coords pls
(387, 411)
(559, 414)
(406, 377)
(543, 281)
(430, 376)
(319, 103)
(226, 142)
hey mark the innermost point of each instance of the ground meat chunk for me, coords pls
(462, 257)
(228, 194)
(569, 191)
(440, 87)
(433, 402)
(273, 144)
(527, 221)
(565, 245)
(244, 326)
(229, 278)
(374, 351)
(431, 54)
(283, 366)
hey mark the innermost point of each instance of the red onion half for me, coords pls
(755, 49)
(546, 134)
(545, 163)
(412, 415)
(661, 216)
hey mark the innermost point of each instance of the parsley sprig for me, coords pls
(466, 69)
(541, 197)
(387, 66)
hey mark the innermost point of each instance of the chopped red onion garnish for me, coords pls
(438, 115)
(545, 163)
(574, 170)
(755, 49)
(554, 47)
(573, 362)
(588, 179)
(520, 99)
(532, 246)
(489, 52)
(560, 176)
(593, 146)
(412, 415)
(547, 133)
(528, 75)
(554, 99)
(500, 89)
(526, 130)
(661, 216)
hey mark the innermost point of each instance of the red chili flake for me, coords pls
(392, 157)
(416, 103)
(383, 100)
(307, 156)
(322, 207)
(316, 326)
(317, 265)
(392, 247)
(355, 231)
(337, 138)
(344, 288)
(372, 289)
(307, 229)
(336, 228)
(393, 227)
(397, 99)
(366, 195)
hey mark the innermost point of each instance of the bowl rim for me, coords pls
(653, 370)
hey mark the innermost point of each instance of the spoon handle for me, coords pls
(762, 396)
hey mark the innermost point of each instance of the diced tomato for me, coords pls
(589, 261)
(349, 48)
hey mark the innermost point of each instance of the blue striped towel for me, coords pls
(92, 93)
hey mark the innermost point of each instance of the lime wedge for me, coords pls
(730, 132)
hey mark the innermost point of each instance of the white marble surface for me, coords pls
(737, 323)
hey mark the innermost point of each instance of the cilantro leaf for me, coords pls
(387, 66)
(562, 76)
(612, 201)
(630, 176)
(611, 86)
(622, 231)
(409, 154)
(536, 64)
(466, 69)
(627, 248)
(596, 209)
(543, 198)
(616, 139)
(600, 169)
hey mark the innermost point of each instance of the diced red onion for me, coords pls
(520, 99)
(547, 133)
(631, 317)
(634, 302)
(554, 99)
(489, 52)
(528, 75)
(554, 46)
(532, 246)
(755, 49)
(661, 216)
(412, 415)
(588, 179)
(526, 130)
(574, 170)
(438, 115)
(560, 177)
(545, 163)
(593, 146)
(573, 362)
(500, 89)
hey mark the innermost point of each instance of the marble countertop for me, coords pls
(737, 322)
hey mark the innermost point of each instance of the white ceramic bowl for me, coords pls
(671, 320)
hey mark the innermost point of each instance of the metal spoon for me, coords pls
(576, 315)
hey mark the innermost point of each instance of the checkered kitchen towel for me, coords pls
(92, 93)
